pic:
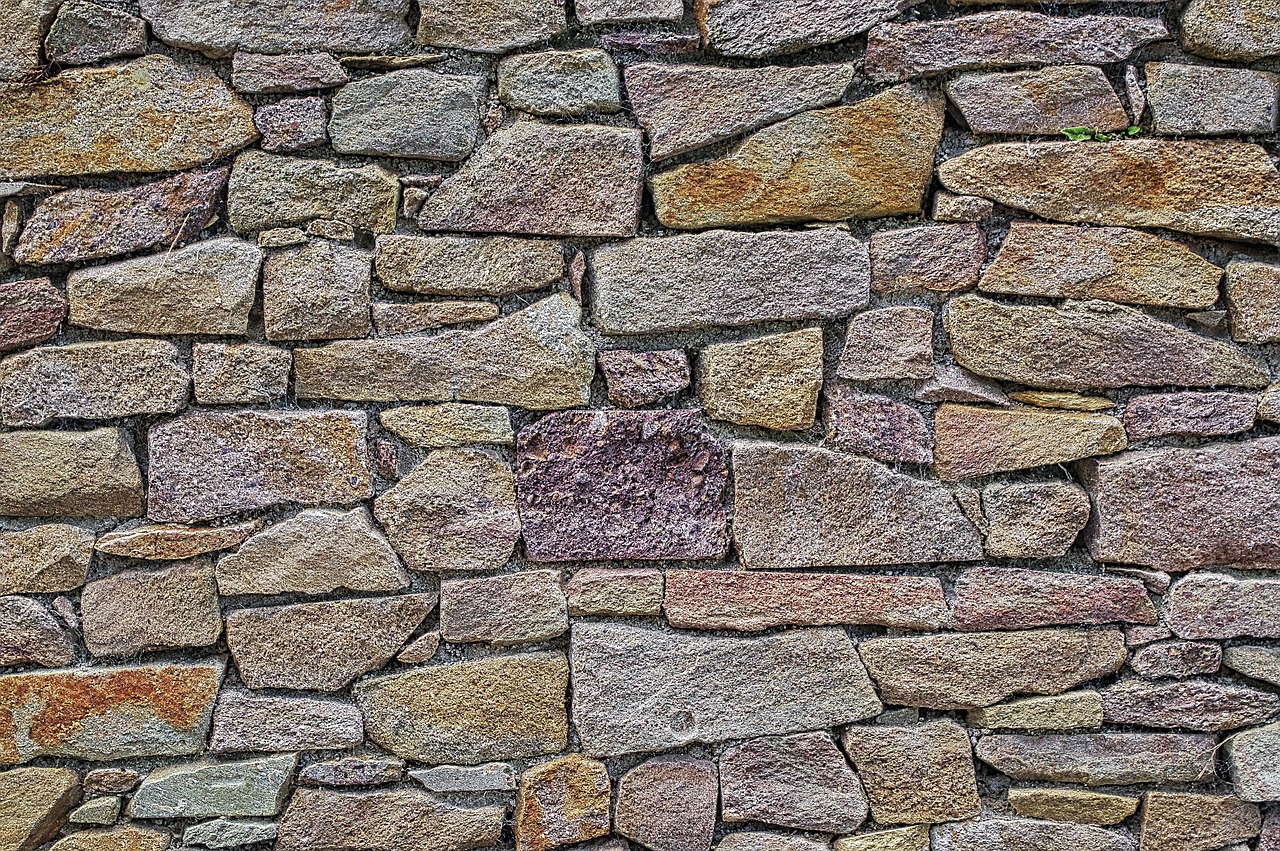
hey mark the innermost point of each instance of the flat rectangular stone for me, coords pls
(467, 265)
(750, 602)
(976, 441)
(1189, 414)
(1218, 606)
(386, 820)
(616, 592)
(209, 464)
(1102, 759)
(247, 722)
(270, 191)
(1038, 102)
(1200, 100)
(1007, 598)
(262, 74)
(133, 611)
(640, 689)
(515, 608)
(69, 474)
(644, 286)
(252, 787)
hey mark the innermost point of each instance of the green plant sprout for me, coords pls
(1084, 134)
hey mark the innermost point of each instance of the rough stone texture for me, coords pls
(44, 559)
(750, 602)
(260, 74)
(170, 542)
(937, 258)
(353, 771)
(1039, 102)
(628, 11)
(294, 124)
(1008, 598)
(34, 802)
(316, 552)
(771, 381)
(1001, 40)
(1072, 805)
(668, 804)
(1197, 100)
(449, 424)
(621, 485)
(107, 713)
(683, 107)
(494, 776)
(743, 28)
(1189, 414)
(92, 381)
(360, 26)
(247, 374)
(1252, 304)
(29, 633)
(409, 113)
(229, 833)
(1242, 31)
(876, 426)
(636, 379)
(1188, 822)
(317, 291)
(206, 288)
(23, 24)
(637, 689)
(915, 774)
(243, 721)
(1116, 264)
(31, 311)
(391, 820)
(516, 608)
(321, 646)
(209, 464)
(560, 82)
(467, 266)
(455, 512)
(132, 611)
(888, 343)
(491, 27)
(1214, 605)
(562, 802)
(537, 358)
(271, 191)
(126, 837)
(1184, 508)
(395, 318)
(1010, 834)
(1251, 758)
(1033, 519)
(89, 224)
(1070, 711)
(949, 671)
(973, 441)
(497, 707)
(799, 506)
(545, 180)
(1187, 705)
(1259, 663)
(1225, 189)
(1178, 659)
(1087, 345)
(69, 474)
(800, 781)
(914, 838)
(864, 161)
(615, 591)
(1102, 759)
(759, 840)
(725, 278)
(254, 787)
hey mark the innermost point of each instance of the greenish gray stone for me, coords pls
(560, 82)
(254, 787)
(97, 811)
(409, 113)
(269, 191)
(228, 833)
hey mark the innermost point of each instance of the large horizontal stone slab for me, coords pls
(751, 28)
(1018, 834)
(472, 712)
(172, 542)
(1224, 189)
(964, 671)
(210, 464)
(107, 713)
(148, 115)
(864, 161)
(227, 26)
(1085, 345)
(640, 689)
(252, 787)
(1218, 606)
(1103, 759)
(800, 506)
(537, 358)
(1175, 509)
(1201, 705)
(270, 191)
(69, 474)
(678, 283)
(1039, 102)
(1003, 40)
(1201, 100)
(621, 485)
(1173, 821)
(973, 441)
(388, 820)
(1011, 598)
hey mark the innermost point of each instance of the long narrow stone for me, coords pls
(1102, 759)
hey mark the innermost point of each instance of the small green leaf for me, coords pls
(1077, 134)
(1101, 137)
(1133, 130)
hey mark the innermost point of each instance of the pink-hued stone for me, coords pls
(877, 426)
(1189, 414)
(30, 312)
(1007, 598)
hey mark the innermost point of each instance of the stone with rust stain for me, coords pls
(165, 542)
(901, 51)
(668, 804)
(868, 160)
(1240, 31)
(1185, 821)
(514, 608)
(468, 265)
(877, 426)
(973, 670)
(636, 379)
(1039, 102)
(974, 441)
(471, 712)
(1033, 519)
(544, 179)
(69, 474)
(133, 611)
(1071, 711)
(1225, 189)
(1072, 805)
(1013, 598)
(1087, 345)
(491, 27)
(915, 774)
(30, 633)
(1115, 264)
(107, 713)
(621, 485)
(34, 803)
(936, 258)
(1102, 759)
(126, 837)
(209, 464)
(1201, 705)
(758, 28)
(388, 820)
(683, 107)
(45, 559)
(771, 381)
(31, 311)
(322, 646)
(888, 343)
(268, 191)
(455, 512)
(1189, 414)
(562, 802)
(801, 781)
(148, 115)
(1252, 304)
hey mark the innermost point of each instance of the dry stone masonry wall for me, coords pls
(752, 425)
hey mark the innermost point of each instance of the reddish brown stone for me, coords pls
(30, 312)
(1177, 659)
(668, 804)
(636, 379)
(621, 485)
(741, 600)
(1189, 414)
(876, 426)
(562, 802)
(1199, 705)
(1005, 598)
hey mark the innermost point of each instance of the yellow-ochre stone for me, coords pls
(1072, 805)
(1072, 711)
(562, 802)
(1065, 401)
(914, 838)
(771, 381)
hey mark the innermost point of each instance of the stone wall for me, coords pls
(761, 425)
